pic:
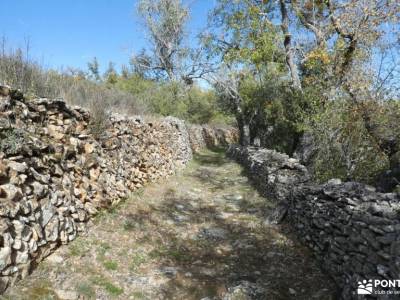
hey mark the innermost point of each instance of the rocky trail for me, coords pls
(200, 234)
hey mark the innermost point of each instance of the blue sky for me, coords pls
(69, 33)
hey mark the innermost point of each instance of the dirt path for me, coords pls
(198, 235)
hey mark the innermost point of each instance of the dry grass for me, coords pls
(18, 70)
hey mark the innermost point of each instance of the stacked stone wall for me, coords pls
(55, 174)
(353, 229)
(205, 136)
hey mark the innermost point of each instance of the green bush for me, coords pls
(191, 103)
(276, 113)
(345, 149)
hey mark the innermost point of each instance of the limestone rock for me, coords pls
(5, 257)
(18, 167)
(10, 192)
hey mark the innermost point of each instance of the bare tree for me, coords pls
(360, 24)
(165, 22)
(226, 81)
(294, 73)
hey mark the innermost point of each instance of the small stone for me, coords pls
(180, 218)
(235, 197)
(55, 132)
(270, 254)
(48, 212)
(94, 173)
(66, 295)
(33, 245)
(3, 172)
(17, 244)
(334, 181)
(21, 257)
(5, 257)
(18, 167)
(382, 270)
(188, 274)
(42, 178)
(292, 291)
(55, 259)
(214, 233)
(38, 189)
(169, 271)
(4, 90)
(89, 148)
(180, 206)
(10, 192)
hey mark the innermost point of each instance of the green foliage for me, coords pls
(137, 260)
(111, 75)
(350, 127)
(78, 248)
(191, 103)
(345, 148)
(112, 289)
(85, 289)
(135, 84)
(93, 68)
(275, 112)
(385, 118)
(254, 39)
(110, 265)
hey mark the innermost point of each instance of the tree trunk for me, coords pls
(294, 73)
(244, 131)
(255, 131)
(386, 144)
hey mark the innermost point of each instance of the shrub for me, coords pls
(191, 103)
(344, 147)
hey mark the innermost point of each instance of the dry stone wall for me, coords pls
(353, 230)
(204, 136)
(54, 175)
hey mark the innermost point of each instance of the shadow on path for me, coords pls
(198, 235)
